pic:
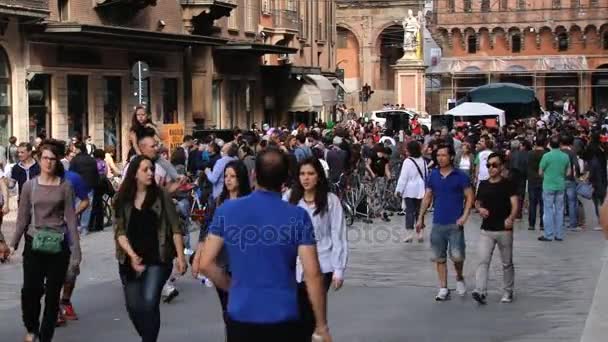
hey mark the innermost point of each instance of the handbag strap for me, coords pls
(34, 181)
(418, 168)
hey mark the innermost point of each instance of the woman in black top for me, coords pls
(141, 126)
(148, 237)
(236, 184)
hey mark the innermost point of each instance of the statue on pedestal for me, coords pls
(412, 26)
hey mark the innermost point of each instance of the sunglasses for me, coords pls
(492, 165)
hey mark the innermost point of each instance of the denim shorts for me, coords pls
(447, 236)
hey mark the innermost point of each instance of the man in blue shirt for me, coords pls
(448, 188)
(81, 192)
(263, 236)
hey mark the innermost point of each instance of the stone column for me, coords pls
(59, 94)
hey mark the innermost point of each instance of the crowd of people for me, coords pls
(272, 272)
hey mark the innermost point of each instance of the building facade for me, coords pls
(560, 48)
(370, 41)
(78, 67)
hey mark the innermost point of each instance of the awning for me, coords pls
(308, 98)
(328, 92)
(123, 34)
(256, 48)
(478, 109)
(340, 84)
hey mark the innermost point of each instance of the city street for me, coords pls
(388, 296)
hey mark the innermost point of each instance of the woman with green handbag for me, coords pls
(47, 219)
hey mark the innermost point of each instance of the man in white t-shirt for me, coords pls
(481, 170)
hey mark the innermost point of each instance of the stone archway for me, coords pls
(389, 48)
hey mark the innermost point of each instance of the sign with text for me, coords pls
(172, 135)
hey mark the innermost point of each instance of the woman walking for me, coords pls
(236, 184)
(46, 217)
(148, 238)
(464, 159)
(411, 186)
(311, 192)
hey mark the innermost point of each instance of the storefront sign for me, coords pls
(172, 135)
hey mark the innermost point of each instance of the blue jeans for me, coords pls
(142, 297)
(85, 216)
(572, 200)
(554, 214)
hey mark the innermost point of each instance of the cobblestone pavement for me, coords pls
(388, 294)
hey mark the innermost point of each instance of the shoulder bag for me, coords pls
(46, 240)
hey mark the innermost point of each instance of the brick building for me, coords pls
(560, 48)
(72, 65)
(370, 41)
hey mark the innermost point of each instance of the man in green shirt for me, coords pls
(554, 168)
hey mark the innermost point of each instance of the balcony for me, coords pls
(125, 4)
(27, 8)
(199, 15)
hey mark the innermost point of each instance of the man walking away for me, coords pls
(535, 183)
(554, 168)
(447, 188)
(497, 203)
(263, 236)
(86, 167)
(575, 172)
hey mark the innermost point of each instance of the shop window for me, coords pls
(5, 97)
(234, 102)
(472, 44)
(39, 105)
(605, 40)
(78, 106)
(516, 44)
(216, 94)
(562, 42)
(112, 100)
(170, 101)
(485, 5)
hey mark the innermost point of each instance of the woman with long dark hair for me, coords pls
(148, 238)
(311, 192)
(236, 184)
(52, 245)
(141, 126)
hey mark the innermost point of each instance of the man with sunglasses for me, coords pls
(497, 204)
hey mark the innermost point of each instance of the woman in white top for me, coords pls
(464, 160)
(311, 192)
(411, 187)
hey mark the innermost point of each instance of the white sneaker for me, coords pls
(507, 297)
(597, 228)
(461, 288)
(444, 294)
(409, 236)
(208, 282)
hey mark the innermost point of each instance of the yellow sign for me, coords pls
(172, 135)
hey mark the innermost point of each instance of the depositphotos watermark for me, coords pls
(296, 233)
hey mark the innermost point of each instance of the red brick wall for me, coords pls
(84, 12)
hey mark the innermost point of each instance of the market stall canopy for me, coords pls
(327, 90)
(502, 93)
(468, 109)
(307, 99)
